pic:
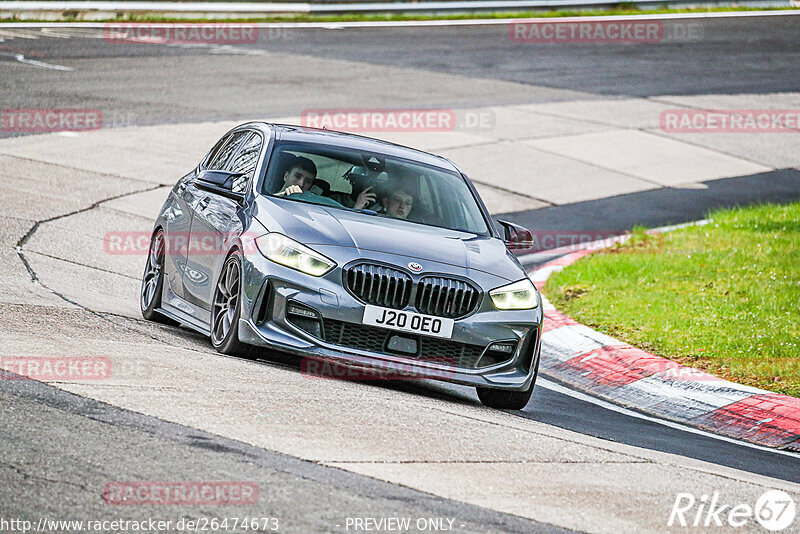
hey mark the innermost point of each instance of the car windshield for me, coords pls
(374, 184)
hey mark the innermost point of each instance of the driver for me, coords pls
(299, 178)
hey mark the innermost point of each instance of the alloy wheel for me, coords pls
(226, 299)
(153, 271)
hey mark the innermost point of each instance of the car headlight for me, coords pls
(294, 255)
(520, 295)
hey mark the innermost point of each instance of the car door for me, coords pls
(216, 222)
(179, 224)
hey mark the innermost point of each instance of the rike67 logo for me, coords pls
(774, 510)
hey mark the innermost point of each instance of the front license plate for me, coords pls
(406, 321)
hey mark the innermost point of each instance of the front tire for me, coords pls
(226, 308)
(504, 400)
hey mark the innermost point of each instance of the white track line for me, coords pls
(420, 23)
(26, 33)
(35, 63)
(558, 388)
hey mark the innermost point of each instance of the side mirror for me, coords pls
(516, 237)
(219, 182)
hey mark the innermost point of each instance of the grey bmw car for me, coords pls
(346, 250)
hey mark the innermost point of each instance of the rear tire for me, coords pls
(153, 281)
(226, 309)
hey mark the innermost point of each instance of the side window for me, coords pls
(245, 161)
(214, 151)
(217, 161)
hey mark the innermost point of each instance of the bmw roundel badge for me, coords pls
(415, 267)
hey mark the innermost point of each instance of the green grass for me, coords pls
(724, 297)
(624, 9)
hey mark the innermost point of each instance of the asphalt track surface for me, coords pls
(124, 445)
(161, 84)
(754, 55)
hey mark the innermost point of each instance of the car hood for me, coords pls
(321, 225)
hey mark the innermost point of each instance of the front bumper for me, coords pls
(269, 288)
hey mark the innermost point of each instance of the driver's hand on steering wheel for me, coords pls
(291, 190)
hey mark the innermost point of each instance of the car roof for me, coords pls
(288, 132)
